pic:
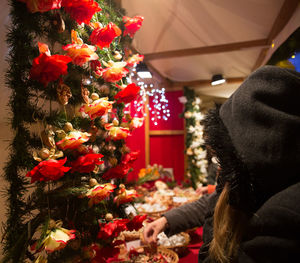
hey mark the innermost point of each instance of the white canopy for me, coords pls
(188, 41)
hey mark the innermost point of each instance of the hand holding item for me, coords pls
(153, 229)
(201, 190)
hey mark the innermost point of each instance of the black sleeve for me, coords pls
(274, 231)
(187, 216)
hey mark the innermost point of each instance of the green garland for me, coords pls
(27, 206)
(196, 166)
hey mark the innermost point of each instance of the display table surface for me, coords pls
(193, 247)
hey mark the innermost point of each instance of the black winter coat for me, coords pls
(273, 233)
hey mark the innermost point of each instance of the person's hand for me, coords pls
(201, 190)
(153, 229)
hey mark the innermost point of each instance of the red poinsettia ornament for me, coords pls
(118, 171)
(81, 11)
(99, 192)
(73, 140)
(49, 170)
(80, 52)
(121, 170)
(112, 229)
(125, 196)
(103, 36)
(115, 71)
(46, 68)
(107, 254)
(136, 223)
(128, 94)
(116, 133)
(132, 25)
(86, 163)
(134, 59)
(42, 6)
(97, 108)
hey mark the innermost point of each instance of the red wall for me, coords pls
(165, 150)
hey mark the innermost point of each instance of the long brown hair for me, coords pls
(229, 224)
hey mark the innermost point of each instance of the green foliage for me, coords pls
(31, 103)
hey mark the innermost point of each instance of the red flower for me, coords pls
(107, 254)
(102, 37)
(96, 67)
(123, 168)
(41, 5)
(132, 25)
(97, 108)
(49, 170)
(129, 158)
(136, 223)
(128, 94)
(73, 140)
(80, 52)
(115, 71)
(112, 229)
(116, 133)
(86, 163)
(118, 171)
(134, 59)
(99, 192)
(81, 10)
(46, 68)
(125, 196)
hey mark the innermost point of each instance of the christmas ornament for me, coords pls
(99, 192)
(132, 25)
(46, 68)
(49, 170)
(80, 52)
(81, 11)
(58, 22)
(128, 94)
(97, 108)
(85, 94)
(86, 163)
(57, 237)
(73, 140)
(42, 6)
(114, 71)
(63, 93)
(103, 36)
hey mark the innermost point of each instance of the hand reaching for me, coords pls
(153, 229)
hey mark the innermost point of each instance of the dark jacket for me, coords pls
(273, 234)
(255, 136)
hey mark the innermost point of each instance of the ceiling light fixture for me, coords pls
(143, 71)
(217, 79)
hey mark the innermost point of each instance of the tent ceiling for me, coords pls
(192, 40)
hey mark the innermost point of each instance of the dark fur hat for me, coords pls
(261, 123)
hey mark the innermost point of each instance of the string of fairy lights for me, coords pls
(157, 103)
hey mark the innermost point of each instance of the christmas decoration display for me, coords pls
(69, 159)
(195, 150)
(150, 90)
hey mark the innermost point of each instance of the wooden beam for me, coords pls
(206, 50)
(166, 132)
(285, 13)
(205, 82)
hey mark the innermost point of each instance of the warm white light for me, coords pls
(144, 74)
(218, 82)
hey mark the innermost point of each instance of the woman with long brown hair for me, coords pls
(254, 215)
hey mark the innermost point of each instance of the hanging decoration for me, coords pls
(152, 95)
(195, 149)
(67, 189)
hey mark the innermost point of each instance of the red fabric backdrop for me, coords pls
(167, 150)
